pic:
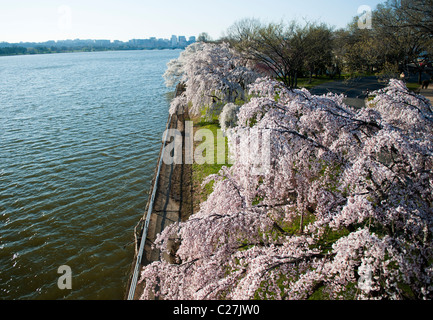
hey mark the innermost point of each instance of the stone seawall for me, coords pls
(172, 202)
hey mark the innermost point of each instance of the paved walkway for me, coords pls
(428, 93)
(173, 203)
(356, 89)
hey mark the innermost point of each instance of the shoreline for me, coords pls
(85, 51)
(173, 193)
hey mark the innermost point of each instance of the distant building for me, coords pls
(174, 41)
(137, 42)
(182, 41)
(102, 43)
(163, 44)
(192, 39)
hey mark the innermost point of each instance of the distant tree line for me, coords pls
(8, 51)
(400, 40)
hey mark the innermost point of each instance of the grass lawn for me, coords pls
(413, 86)
(212, 142)
(303, 82)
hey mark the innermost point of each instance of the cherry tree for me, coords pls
(228, 117)
(176, 68)
(213, 74)
(343, 211)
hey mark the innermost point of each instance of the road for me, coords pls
(356, 89)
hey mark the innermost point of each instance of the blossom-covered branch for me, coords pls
(344, 210)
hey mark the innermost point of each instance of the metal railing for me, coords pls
(136, 271)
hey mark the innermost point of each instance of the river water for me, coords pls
(80, 135)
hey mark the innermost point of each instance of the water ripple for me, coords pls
(80, 136)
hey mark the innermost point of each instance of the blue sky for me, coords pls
(42, 20)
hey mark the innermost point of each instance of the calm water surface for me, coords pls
(80, 135)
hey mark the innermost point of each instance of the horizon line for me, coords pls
(97, 39)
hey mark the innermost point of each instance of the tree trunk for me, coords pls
(301, 224)
(311, 77)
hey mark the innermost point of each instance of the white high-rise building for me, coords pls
(174, 41)
(182, 41)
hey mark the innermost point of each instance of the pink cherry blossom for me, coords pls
(344, 211)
